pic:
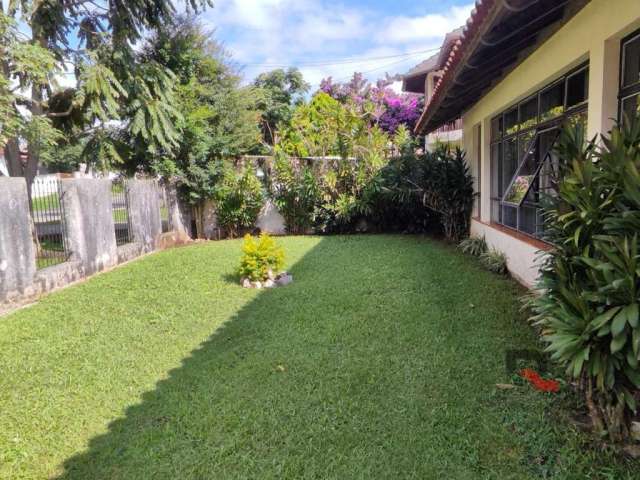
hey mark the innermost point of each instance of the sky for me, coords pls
(333, 38)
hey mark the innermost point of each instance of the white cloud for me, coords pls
(404, 29)
(264, 34)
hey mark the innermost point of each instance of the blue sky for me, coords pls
(333, 38)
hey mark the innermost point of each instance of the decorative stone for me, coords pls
(505, 386)
(257, 285)
(269, 283)
(271, 275)
(284, 279)
(246, 283)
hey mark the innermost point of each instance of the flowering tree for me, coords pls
(386, 108)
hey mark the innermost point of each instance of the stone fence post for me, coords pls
(88, 215)
(144, 212)
(179, 213)
(17, 251)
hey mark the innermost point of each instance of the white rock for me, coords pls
(257, 285)
(284, 279)
(269, 283)
(246, 283)
(270, 275)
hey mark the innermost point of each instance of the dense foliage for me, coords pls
(120, 102)
(438, 182)
(591, 278)
(260, 259)
(239, 197)
(296, 193)
(281, 91)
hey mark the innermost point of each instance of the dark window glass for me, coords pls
(510, 216)
(496, 170)
(529, 113)
(511, 121)
(631, 62)
(496, 128)
(524, 143)
(577, 88)
(552, 102)
(529, 220)
(509, 162)
(630, 107)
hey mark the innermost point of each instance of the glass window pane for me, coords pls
(528, 220)
(578, 88)
(630, 107)
(552, 102)
(524, 181)
(524, 143)
(631, 66)
(496, 128)
(529, 113)
(511, 121)
(509, 162)
(496, 170)
(510, 216)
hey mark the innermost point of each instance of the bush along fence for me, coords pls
(73, 228)
(281, 194)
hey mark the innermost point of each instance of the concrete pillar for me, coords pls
(604, 78)
(17, 252)
(144, 212)
(179, 213)
(88, 215)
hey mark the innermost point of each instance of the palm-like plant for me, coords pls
(591, 279)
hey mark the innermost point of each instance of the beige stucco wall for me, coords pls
(594, 34)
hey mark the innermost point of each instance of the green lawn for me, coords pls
(379, 362)
(46, 203)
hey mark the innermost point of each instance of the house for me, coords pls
(4, 171)
(423, 78)
(519, 69)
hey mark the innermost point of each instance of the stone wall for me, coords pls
(88, 215)
(17, 251)
(89, 233)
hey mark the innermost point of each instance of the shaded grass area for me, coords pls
(379, 361)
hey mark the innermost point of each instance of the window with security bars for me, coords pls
(629, 96)
(523, 165)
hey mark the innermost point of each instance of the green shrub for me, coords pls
(495, 261)
(475, 246)
(591, 277)
(439, 182)
(296, 194)
(258, 257)
(239, 198)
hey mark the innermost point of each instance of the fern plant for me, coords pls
(474, 246)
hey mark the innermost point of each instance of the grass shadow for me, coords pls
(379, 361)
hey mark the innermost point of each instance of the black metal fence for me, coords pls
(164, 207)
(47, 212)
(121, 217)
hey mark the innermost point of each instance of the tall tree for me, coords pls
(219, 119)
(94, 42)
(283, 91)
